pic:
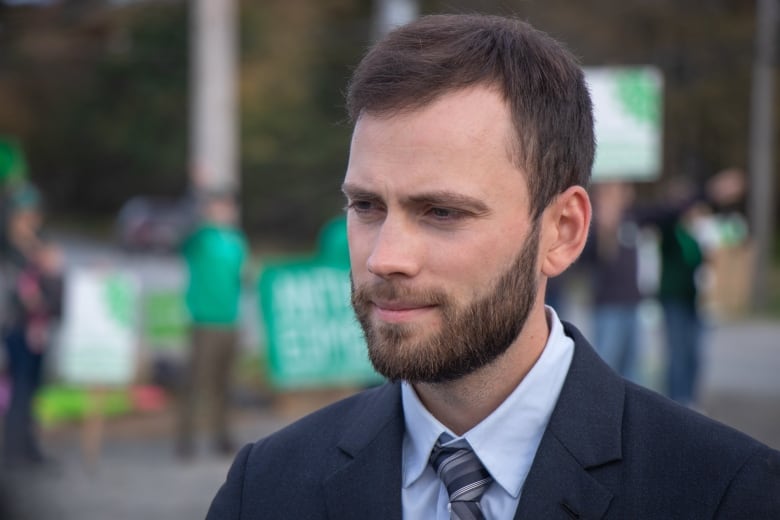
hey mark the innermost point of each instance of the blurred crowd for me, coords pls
(689, 228)
(32, 296)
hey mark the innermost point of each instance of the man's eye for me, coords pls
(361, 206)
(444, 213)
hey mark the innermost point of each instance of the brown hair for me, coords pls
(540, 80)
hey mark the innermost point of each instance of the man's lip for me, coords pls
(399, 305)
(400, 311)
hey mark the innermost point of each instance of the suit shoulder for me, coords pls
(323, 428)
(286, 474)
(696, 463)
(674, 430)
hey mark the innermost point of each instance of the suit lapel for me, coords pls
(368, 484)
(584, 433)
(559, 487)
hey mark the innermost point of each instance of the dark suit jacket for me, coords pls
(612, 449)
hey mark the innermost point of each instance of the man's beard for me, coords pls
(471, 335)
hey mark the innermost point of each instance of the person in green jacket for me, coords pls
(215, 253)
(681, 258)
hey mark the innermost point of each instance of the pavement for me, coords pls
(138, 476)
(740, 384)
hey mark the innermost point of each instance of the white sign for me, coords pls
(627, 107)
(98, 345)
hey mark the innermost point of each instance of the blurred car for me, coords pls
(154, 224)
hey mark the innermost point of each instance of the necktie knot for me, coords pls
(465, 478)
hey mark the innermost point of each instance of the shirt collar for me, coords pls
(506, 441)
(422, 432)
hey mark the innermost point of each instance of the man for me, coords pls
(472, 145)
(215, 254)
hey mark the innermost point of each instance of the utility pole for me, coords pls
(213, 110)
(761, 146)
(389, 14)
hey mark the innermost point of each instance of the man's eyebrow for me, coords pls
(450, 199)
(352, 191)
(442, 198)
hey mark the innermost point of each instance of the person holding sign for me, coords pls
(215, 254)
(471, 150)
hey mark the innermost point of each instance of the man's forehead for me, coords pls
(475, 110)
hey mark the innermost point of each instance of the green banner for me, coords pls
(313, 337)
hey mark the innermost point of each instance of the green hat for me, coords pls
(13, 166)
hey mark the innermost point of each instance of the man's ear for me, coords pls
(565, 225)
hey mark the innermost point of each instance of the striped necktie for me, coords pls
(465, 478)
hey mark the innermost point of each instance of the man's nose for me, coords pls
(396, 250)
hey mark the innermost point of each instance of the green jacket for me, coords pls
(215, 258)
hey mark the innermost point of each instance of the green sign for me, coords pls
(627, 107)
(165, 320)
(314, 339)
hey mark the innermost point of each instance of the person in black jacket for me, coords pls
(35, 306)
(465, 187)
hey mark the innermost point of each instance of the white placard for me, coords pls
(628, 108)
(99, 339)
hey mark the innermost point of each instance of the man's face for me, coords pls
(443, 252)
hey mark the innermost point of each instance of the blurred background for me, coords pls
(119, 117)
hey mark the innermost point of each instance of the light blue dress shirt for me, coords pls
(506, 441)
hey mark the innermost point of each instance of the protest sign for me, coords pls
(313, 337)
(98, 345)
(627, 107)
